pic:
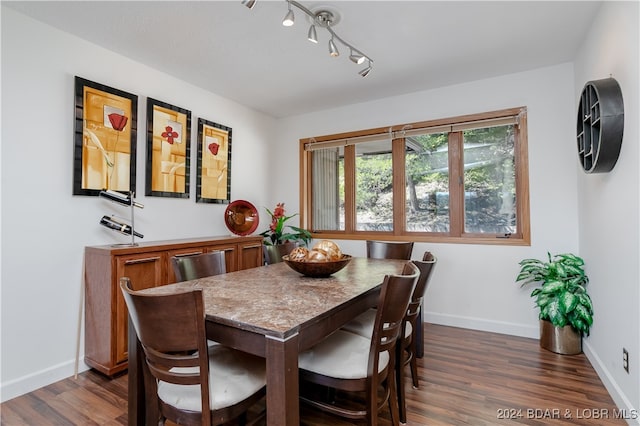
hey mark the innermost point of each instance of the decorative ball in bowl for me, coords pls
(318, 269)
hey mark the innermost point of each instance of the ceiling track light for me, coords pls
(249, 3)
(333, 49)
(357, 57)
(365, 72)
(323, 19)
(312, 36)
(289, 19)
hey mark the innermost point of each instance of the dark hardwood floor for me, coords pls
(466, 378)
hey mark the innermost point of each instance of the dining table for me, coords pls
(275, 313)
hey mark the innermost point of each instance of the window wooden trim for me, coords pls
(455, 234)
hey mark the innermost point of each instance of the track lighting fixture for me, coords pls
(249, 3)
(365, 72)
(312, 36)
(357, 57)
(289, 19)
(323, 19)
(333, 49)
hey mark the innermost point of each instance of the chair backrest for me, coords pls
(196, 266)
(392, 306)
(171, 330)
(389, 249)
(426, 267)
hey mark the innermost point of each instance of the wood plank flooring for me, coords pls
(467, 377)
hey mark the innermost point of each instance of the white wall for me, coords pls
(45, 228)
(608, 207)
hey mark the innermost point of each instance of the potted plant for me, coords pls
(280, 239)
(566, 311)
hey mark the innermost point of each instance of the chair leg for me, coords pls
(414, 371)
(399, 382)
(372, 406)
(394, 405)
(418, 341)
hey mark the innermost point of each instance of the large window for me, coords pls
(463, 179)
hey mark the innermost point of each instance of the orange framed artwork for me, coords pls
(168, 150)
(105, 137)
(214, 163)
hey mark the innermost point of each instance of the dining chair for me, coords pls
(199, 265)
(363, 324)
(389, 249)
(194, 384)
(352, 363)
(408, 347)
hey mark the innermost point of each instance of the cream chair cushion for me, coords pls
(362, 325)
(342, 355)
(233, 376)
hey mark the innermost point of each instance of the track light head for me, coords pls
(249, 3)
(333, 49)
(312, 36)
(289, 18)
(365, 72)
(357, 57)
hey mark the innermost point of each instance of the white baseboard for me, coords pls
(483, 325)
(33, 381)
(621, 400)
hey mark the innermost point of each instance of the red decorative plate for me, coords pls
(241, 217)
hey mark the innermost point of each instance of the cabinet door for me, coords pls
(230, 255)
(250, 255)
(171, 276)
(145, 270)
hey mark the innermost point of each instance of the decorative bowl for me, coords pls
(241, 217)
(318, 269)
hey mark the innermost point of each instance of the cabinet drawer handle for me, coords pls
(254, 246)
(188, 254)
(148, 259)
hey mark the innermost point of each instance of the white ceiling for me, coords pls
(248, 56)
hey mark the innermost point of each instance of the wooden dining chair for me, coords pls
(195, 384)
(389, 249)
(351, 363)
(200, 265)
(411, 338)
(408, 347)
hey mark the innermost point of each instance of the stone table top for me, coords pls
(275, 300)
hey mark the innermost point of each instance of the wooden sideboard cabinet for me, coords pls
(147, 265)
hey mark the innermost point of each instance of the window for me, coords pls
(463, 179)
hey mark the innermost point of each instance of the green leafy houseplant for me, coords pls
(278, 233)
(562, 296)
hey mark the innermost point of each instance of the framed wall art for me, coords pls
(168, 150)
(105, 138)
(214, 163)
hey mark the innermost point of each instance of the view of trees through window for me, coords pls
(489, 183)
(459, 179)
(427, 191)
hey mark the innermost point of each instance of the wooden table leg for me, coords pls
(282, 381)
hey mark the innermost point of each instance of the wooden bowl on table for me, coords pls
(318, 269)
